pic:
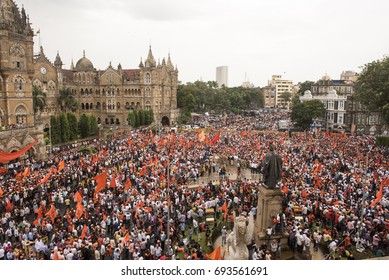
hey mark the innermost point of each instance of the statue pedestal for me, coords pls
(269, 205)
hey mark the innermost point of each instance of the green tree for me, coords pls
(38, 99)
(136, 119)
(303, 113)
(307, 85)
(84, 126)
(94, 129)
(285, 97)
(372, 87)
(67, 100)
(131, 118)
(55, 130)
(64, 127)
(73, 124)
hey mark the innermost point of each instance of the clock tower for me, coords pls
(17, 121)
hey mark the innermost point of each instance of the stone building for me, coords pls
(17, 122)
(111, 93)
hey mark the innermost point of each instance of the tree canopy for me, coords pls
(206, 96)
(305, 86)
(372, 87)
(303, 113)
(38, 99)
(67, 100)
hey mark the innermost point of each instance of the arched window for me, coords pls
(82, 106)
(21, 114)
(98, 120)
(91, 106)
(104, 106)
(127, 105)
(98, 105)
(118, 105)
(106, 121)
(17, 57)
(147, 92)
(148, 105)
(87, 106)
(147, 78)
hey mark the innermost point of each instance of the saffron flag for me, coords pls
(1, 192)
(77, 197)
(45, 178)
(3, 170)
(128, 184)
(215, 255)
(126, 238)
(39, 211)
(83, 233)
(9, 206)
(304, 193)
(225, 209)
(379, 196)
(5, 157)
(61, 166)
(26, 172)
(143, 171)
(101, 181)
(285, 189)
(79, 210)
(202, 136)
(215, 139)
(112, 184)
(52, 213)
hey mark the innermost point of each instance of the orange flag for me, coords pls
(128, 184)
(202, 136)
(225, 209)
(9, 206)
(126, 238)
(304, 193)
(39, 211)
(215, 139)
(61, 166)
(112, 184)
(52, 213)
(143, 171)
(83, 233)
(78, 197)
(79, 210)
(215, 255)
(26, 172)
(379, 196)
(285, 189)
(45, 179)
(1, 192)
(101, 181)
(55, 257)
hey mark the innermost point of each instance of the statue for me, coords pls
(271, 169)
(240, 237)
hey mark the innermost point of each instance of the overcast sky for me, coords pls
(299, 39)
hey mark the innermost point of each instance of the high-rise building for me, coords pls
(280, 86)
(222, 76)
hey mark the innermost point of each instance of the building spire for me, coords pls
(150, 61)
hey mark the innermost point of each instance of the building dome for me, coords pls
(308, 94)
(84, 64)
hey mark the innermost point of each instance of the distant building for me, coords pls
(247, 85)
(222, 76)
(279, 86)
(335, 106)
(343, 112)
(269, 96)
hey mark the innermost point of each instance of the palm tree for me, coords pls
(38, 99)
(67, 100)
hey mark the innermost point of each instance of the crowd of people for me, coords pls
(158, 187)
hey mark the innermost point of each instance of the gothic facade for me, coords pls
(111, 93)
(17, 123)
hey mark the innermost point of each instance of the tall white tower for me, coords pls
(222, 76)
